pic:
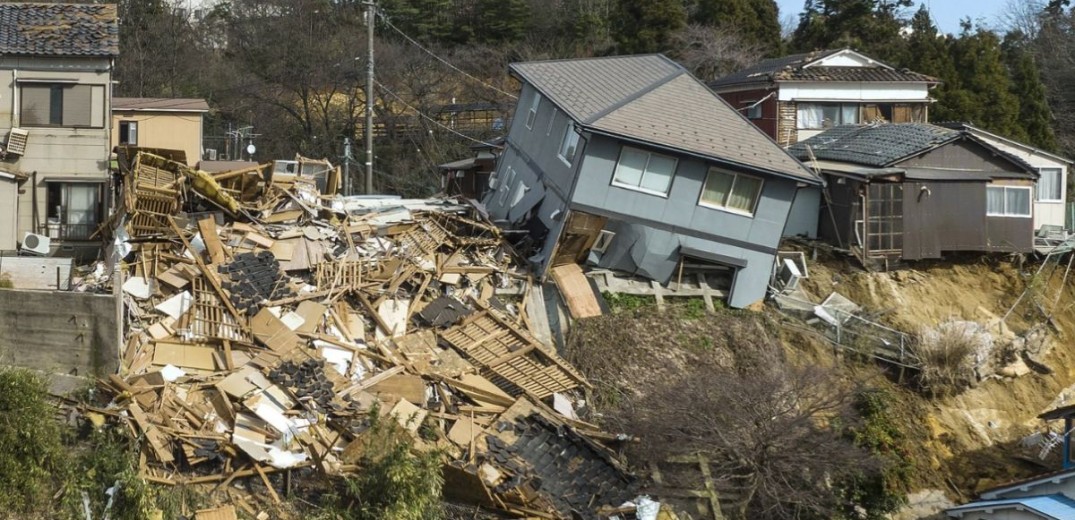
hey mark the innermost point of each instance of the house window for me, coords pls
(569, 144)
(818, 116)
(128, 133)
(532, 115)
(1007, 201)
(61, 104)
(753, 110)
(644, 171)
(735, 192)
(603, 240)
(518, 193)
(552, 119)
(1049, 185)
(505, 185)
(74, 209)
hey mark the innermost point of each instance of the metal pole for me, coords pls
(349, 185)
(371, 13)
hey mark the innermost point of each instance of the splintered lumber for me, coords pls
(512, 359)
(156, 439)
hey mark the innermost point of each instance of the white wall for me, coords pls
(1051, 213)
(853, 91)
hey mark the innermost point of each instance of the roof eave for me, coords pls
(810, 178)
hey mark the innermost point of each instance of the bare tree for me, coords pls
(773, 434)
(711, 52)
(1023, 16)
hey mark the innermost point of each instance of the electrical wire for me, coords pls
(442, 60)
(430, 119)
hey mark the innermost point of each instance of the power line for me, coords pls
(442, 60)
(430, 119)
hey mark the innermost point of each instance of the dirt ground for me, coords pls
(973, 438)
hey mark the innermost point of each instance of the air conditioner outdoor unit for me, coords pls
(35, 244)
(210, 154)
(16, 141)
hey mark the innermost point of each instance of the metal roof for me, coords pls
(160, 104)
(58, 29)
(798, 67)
(651, 100)
(1051, 507)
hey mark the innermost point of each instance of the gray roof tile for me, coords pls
(58, 29)
(653, 100)
(873, 145)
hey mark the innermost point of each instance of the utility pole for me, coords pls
(349, 185)
(371, 18)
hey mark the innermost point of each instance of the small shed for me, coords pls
(915, 191)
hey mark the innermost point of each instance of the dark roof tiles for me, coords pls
(796, 67)
(58, 29)
(873, 145)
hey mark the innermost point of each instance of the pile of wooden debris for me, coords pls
(265, 317)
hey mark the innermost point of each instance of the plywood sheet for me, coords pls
(576, 290)
(272, 332)
(184, 356)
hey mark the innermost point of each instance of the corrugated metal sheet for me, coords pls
(1058, 507)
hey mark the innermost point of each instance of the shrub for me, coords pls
(946, 357)
(29, 440)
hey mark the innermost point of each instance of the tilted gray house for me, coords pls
(630, 163)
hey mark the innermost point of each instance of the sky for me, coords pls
(946, 13)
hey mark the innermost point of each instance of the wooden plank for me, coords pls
(156, 440)
(706, 296)
(658, 293)
(576, 290)
(207, 227)
(268, 484)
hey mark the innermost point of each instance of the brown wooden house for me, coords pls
(916, 191)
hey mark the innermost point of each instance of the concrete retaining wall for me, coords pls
(59, 332)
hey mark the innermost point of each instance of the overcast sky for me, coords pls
(946, 13)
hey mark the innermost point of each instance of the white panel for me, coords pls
(97, 104)
(842, 60)
(857, 91)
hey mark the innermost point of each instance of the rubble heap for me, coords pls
(266, 317)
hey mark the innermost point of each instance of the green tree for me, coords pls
(869, 26)
(425, 20)
(30, 441)
(982, 93)
(1035, 117)
(502, 21)
(643, 26)
(755, 21)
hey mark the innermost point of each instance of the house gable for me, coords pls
(846, 58)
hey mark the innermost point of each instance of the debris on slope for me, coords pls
(266, 318)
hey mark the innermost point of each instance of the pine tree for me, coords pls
(756, 21)
(1034, 115)
(425, 20)
(981, 74)
(502, 21)
(643, 26)
(869, 26)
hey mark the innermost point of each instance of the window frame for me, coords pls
(62, 216)
(505, 187)
(603, 240)
(54, 103)
(125, 133)
(1059, 184)
(1005, 188)
(645, 169)
(753, 109)
(724, 207)
(840, 110)
(531, 116)
(568, 131)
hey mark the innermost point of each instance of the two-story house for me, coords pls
(799, 96)
(630, 163)
(172, 123)
(55, 89)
